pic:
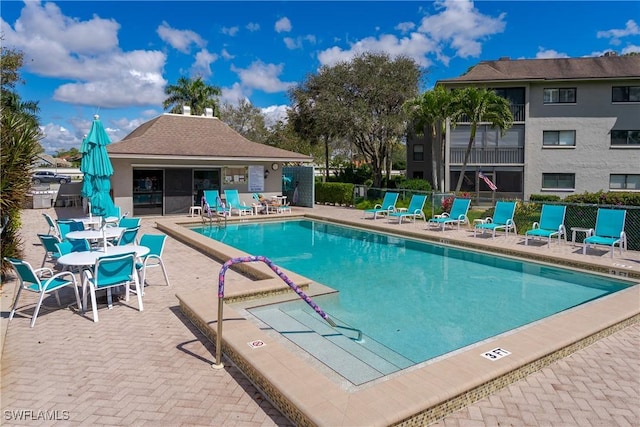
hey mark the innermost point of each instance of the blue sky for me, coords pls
(114, 58)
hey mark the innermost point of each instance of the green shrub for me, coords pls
(614, 198)
(334, 192)
(414, 185)
(544, 198)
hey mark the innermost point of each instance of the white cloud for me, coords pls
(87, 53)
(291, 43)
(549, 53)
(202, 64)
(58, 138)
(405, 27)
(297, 43)
(253, 26)
(262, 76)
(273, 114)
(180, 40)
(231, 95)
(458, 26)
(230, 31)
(416, 46)
(461, 26)
(283, 25)
(630, 29)
(226, 55)
(630, 49)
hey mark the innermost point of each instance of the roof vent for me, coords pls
(208, 112)
(186, 110)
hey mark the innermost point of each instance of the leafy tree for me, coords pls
(360, 101)
(245, 119)
(283, 136)
(428, 113)
(477, 105)
(19, 146)
(194, 93)
(310, 119)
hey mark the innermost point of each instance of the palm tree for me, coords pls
(428, 113)
(194, 93)
(479, 105)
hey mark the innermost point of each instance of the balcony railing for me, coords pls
(516, 109)
(494, 155)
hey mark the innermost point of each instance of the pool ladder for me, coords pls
(210, 216)
(218, 363)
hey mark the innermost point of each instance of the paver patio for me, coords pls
(153, 367)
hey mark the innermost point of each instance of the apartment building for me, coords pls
(576, 128)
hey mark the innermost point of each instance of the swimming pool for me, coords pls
(412, 300)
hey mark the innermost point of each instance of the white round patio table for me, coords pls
(89, 258)
(94, 235)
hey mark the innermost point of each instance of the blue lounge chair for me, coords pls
(111, 271)
(551, 224)
(126, 222)
(155, 243)
(234, 204)
(51, 252)
(502, 219)
(388, 205)
(212, 200)
(609, 230)
(416, 204)
(41, 281)
(458, 214)
(65, 226)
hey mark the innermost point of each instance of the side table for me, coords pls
(574, 230)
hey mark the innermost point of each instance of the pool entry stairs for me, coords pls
(342, 348)
(355, 357)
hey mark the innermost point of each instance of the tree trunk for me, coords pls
(326, 159)
(434, 158)
(472, 137)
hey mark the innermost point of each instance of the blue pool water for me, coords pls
(418, 299)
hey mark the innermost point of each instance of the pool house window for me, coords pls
(562, 95)
(624, 182)
(625, 94)
(625, 137)
(559, 138)
(558, 181)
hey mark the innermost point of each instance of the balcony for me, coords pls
(516, 109)
(488, 156)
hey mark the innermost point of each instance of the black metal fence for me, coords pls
(579, 216)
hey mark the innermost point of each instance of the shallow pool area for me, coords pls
(309, 393)
(401, 301)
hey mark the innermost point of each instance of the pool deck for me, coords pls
(153, 367)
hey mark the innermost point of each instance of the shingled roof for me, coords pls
(604, 67)
(177, 135)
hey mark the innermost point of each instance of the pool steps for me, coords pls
(358, 362)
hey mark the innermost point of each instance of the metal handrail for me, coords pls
(206, 212)
(252, 258)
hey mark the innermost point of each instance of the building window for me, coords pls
(418, 152)
(564, 181)
(563, 95)
(624, 182)
(562, 138)
(625, 137)
(625, 94)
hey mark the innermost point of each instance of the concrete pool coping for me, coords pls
(418, 395)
